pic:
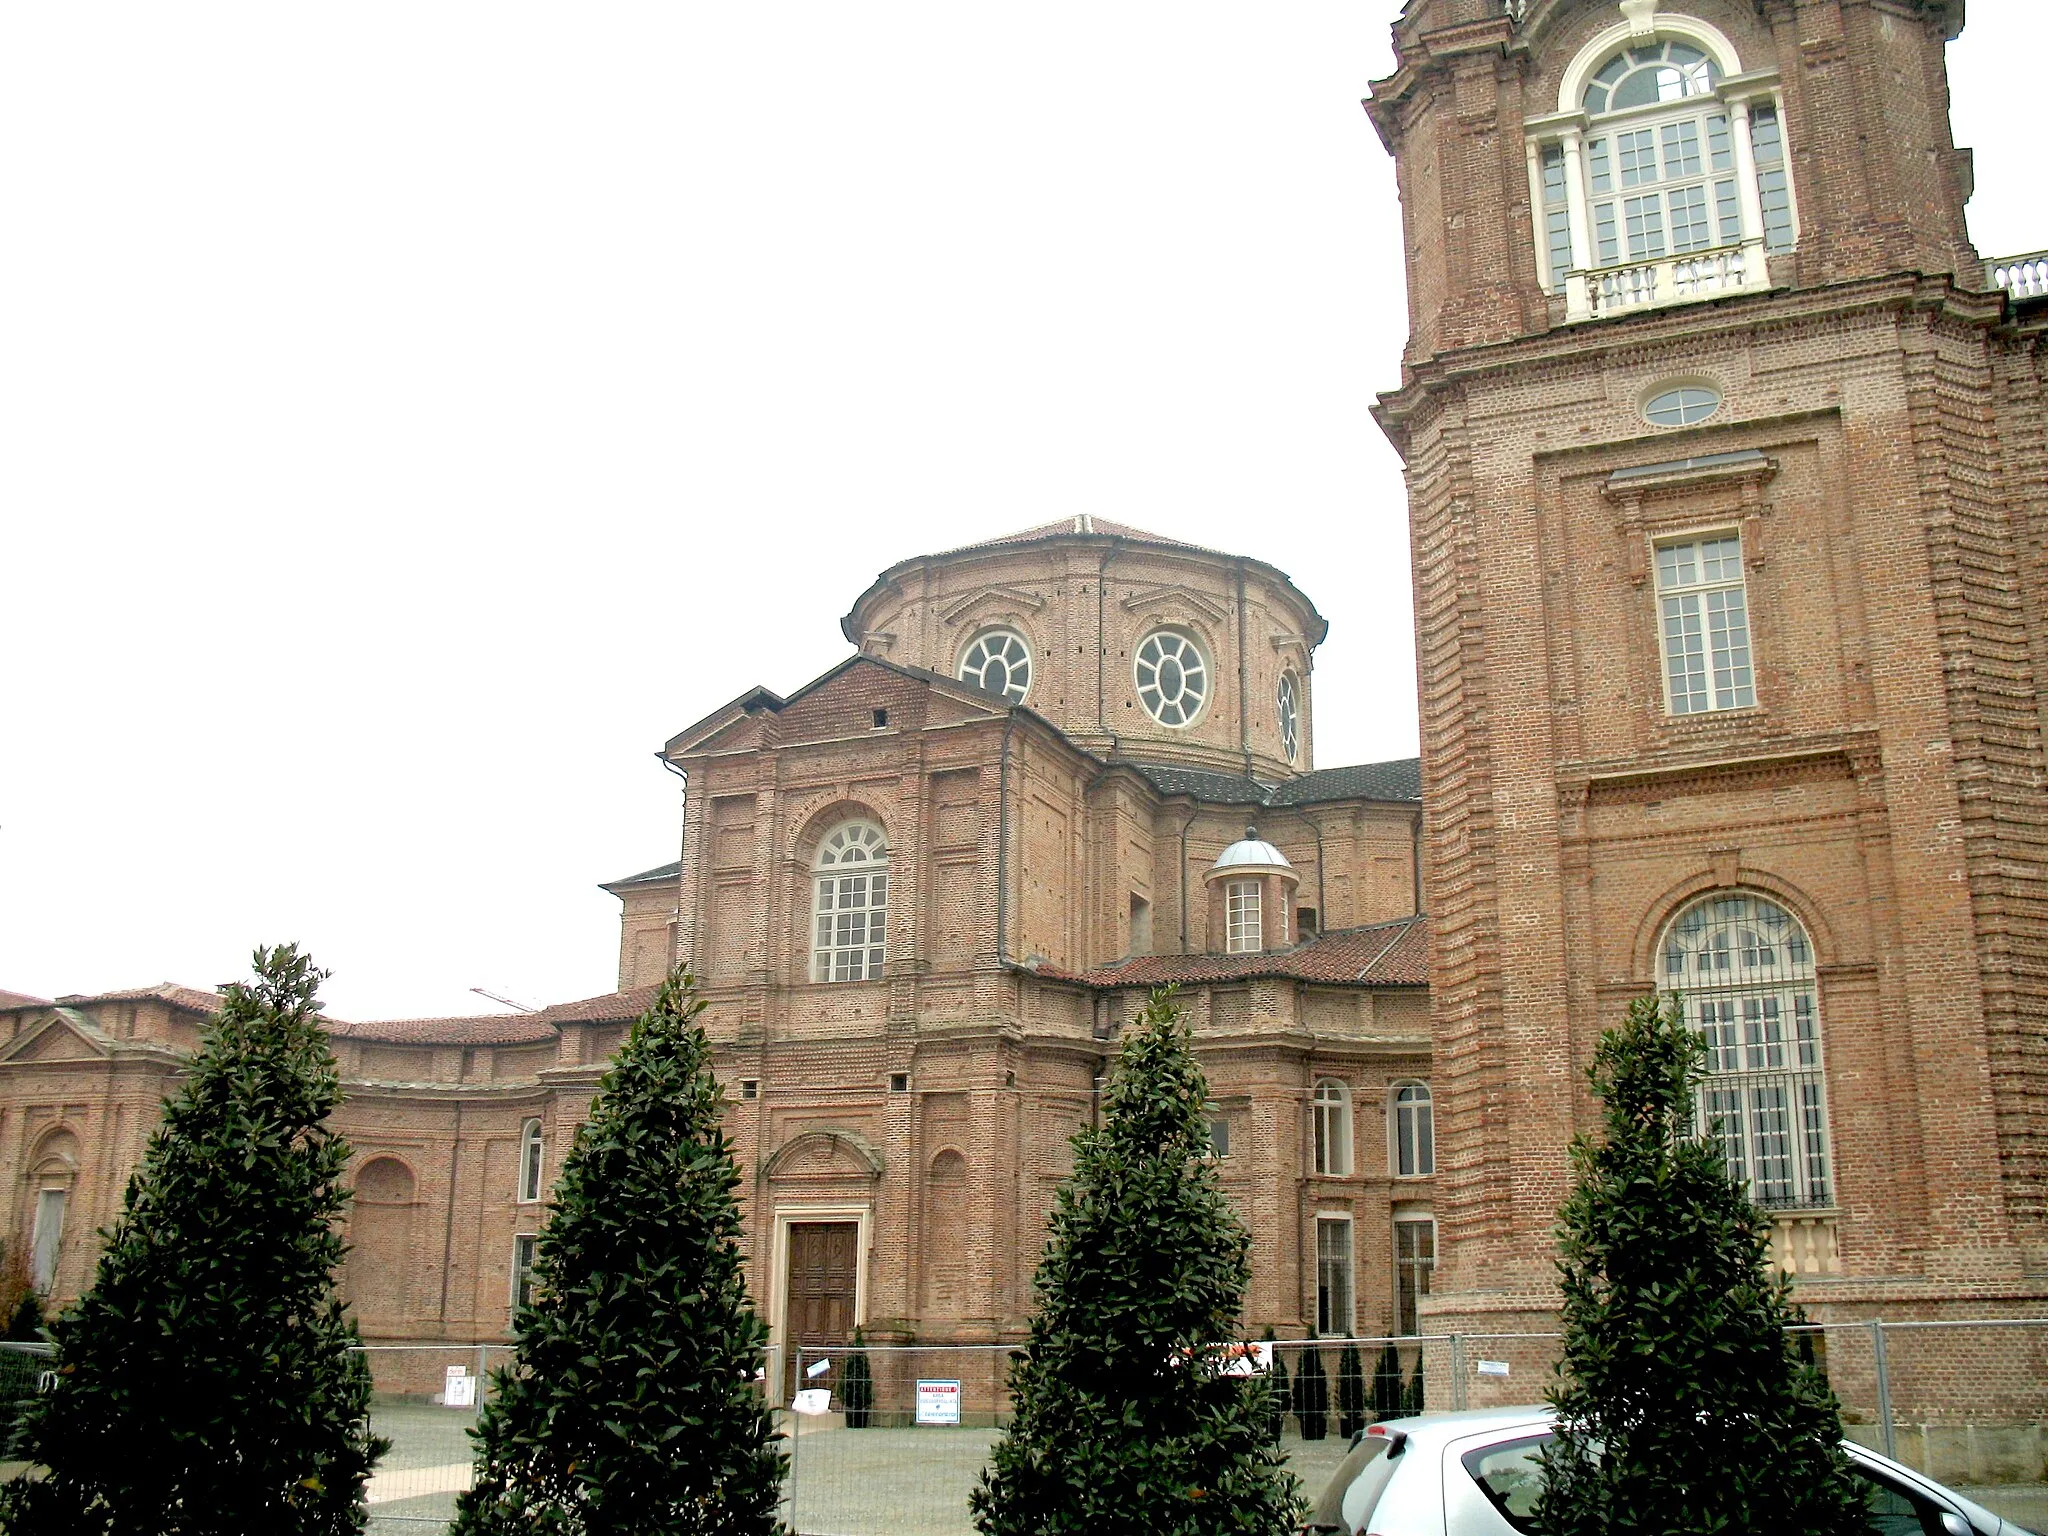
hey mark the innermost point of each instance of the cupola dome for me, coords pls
(1251, 855)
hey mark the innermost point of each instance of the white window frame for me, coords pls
(1188, 654)
(1411, 1121)
(1745, 198)
(1333, 1260)
(1243, 917)
(532, 1162)
(1423, 1268)
(1728, 672)
(1287, 707)
(1743, 966)
(1012, 649)
(1330, 1112)
(850, 904)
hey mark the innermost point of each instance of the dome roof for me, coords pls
(1250, 852)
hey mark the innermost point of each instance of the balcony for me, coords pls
(1804, 1243)
(2024, 277)
(1686, 279)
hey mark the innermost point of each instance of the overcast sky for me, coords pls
(411, 414)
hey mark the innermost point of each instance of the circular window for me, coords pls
(1289, 705)
(1642, 77)
(1173, 679)
(1683, 406)
(999, 661)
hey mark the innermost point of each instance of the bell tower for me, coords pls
(1726, 503)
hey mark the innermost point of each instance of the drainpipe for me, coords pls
(1003, 845)
(1193, 811)
(1322, 898)
(682, 849)
(1244, 661)
(1116, 547)
(448, 1228)
(1415, 861)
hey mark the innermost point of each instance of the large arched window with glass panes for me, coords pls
(850, 903)
(1743, 969)
(1663, 176)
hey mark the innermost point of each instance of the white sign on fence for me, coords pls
(813, 1401)
(1493, 1367)
(814, 1371)
(938, 1402)
(458, 1388)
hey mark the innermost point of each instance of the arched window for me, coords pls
(1241, 910)
(1658, 181)
(1333, 1128)
(851, 904)
(1743, 971)
(530, 1159)
(999, 661)
(1288, 704)
(1414, 1132)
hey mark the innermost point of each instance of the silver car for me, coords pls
(1476, 1474)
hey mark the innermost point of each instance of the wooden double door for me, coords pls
(824, 1280)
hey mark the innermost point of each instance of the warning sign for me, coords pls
(938, 1402)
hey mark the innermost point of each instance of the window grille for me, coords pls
(999, 661)
(1173, 678)
(1333, 1276)
(1414, 1263)
(1288, 705)
(1704, 610)
(1744, 973)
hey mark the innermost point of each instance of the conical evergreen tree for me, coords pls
(1682, 1403)
(205, 1383)
(1122, 1412)
(857, 1387)
(1312, 1393)
(1350, 1391)
(630, 1406)
(1388, 1395)
(1279, 1396)
(1413, 1400)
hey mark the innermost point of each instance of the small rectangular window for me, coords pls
(1219, 1137)
(899, 1082)
(523, 1247)
(1704, 618)
(750, 1087)
(881, 718)
(1333, 1276)
(1414, 1263)
(1241, 899)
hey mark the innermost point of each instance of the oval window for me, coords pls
(1681, 407)
(1173, 678)
(999, 661)
(1289, 705)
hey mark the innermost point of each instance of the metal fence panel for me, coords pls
(425, 1417)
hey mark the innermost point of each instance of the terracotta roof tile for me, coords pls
(1384, 955)
(482, 1029)
(608, 1008)
(190, 998)
(21, 1000)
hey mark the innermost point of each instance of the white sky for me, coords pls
(411, 414)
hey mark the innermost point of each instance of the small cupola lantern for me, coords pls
(1251, 892)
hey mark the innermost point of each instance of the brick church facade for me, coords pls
(1727, 470)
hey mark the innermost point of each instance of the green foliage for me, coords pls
(857, 1387)
(1682, 1403)
(26, 1326)
(1122, 1414)
(1412, 1400)
(1279, 1397)
(1389, 1398)
(631, 1406)
(1311, 1393)
(205, 1384)
(1350, 1392)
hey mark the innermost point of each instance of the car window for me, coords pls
(1896, 1510)
(1511, 1476)
(1363, 1472)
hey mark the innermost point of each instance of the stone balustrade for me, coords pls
(1604, 291)
(1804, 1243)
(2024, 277)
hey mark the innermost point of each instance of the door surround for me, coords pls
(787, 1216)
